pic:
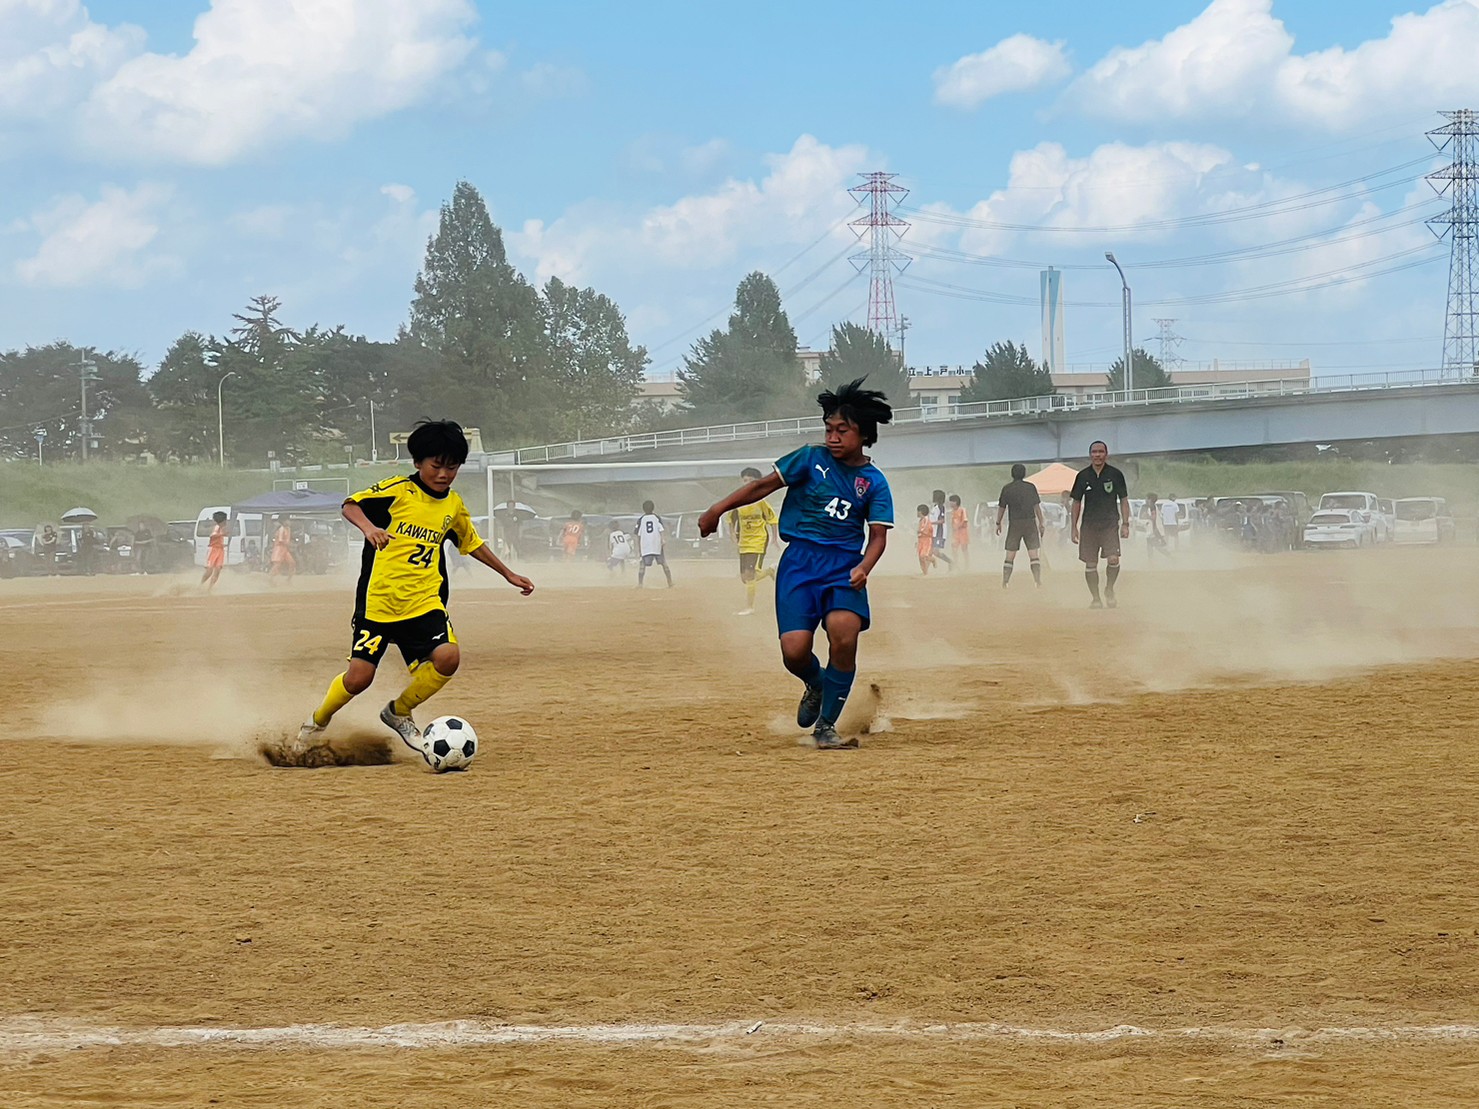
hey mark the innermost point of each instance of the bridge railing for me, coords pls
(595, 449)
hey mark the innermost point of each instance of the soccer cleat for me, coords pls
(745, 612)
(810, 707)
(404, 727)
(1109, 600)
(310, 735)
(826, 738)
(1096, 603)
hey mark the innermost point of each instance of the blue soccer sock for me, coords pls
(836, 685)
(810, 672)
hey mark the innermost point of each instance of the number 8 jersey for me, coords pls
(408, 576)
(829, 503)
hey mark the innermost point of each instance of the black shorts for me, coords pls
(660, 559)
(1022, 532)
(417, 637)
(750, 564)
(1097, 539)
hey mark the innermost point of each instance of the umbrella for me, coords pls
(518, 510)
(79, 515)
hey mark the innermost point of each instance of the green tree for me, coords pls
(1007, 373)
(486, 325)
(596, 370)
(41, 387)
(749, 371)
(857, 352)
(182, 389)
(271, 407)
(1149, 373)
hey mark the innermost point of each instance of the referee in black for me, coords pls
(1098, 524)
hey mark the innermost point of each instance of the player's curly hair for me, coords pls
(439, 439)
(865, 407)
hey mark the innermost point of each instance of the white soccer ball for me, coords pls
(449, 743)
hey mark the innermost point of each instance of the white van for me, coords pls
(1366, 504)
(244, 536)
(1424, 520)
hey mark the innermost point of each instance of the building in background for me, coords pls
(1052, 320)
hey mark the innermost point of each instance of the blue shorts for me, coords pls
(813, 580)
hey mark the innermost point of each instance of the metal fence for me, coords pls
(595, 449)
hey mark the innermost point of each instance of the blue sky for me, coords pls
(1256, 165)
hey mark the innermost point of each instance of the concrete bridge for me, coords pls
(1042, 429)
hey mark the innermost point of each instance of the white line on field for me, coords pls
(21, 1035)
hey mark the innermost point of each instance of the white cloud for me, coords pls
(551, 82)
(1015, 64)
(803, 192)
(51, 53)
(98, 243)
(401, 194)
(262, 71)
(1236, 61)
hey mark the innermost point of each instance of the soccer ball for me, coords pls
(449, 743)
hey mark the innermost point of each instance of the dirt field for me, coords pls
(1215, 848)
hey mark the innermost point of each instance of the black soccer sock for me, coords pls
(1113, 574)
(1091, 577)
(1006, 572)
(1037, 571)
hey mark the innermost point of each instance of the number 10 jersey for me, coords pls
(408, 576)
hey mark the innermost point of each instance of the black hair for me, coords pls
(751, 473)
(439, 439)
(646, 506)
(1099, 443)
(938, 496)
(1019, 471)
(575, 514)
(867, 408)
(954, 498)
(923, 510)
(218, 517)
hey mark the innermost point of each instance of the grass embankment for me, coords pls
(30, 493)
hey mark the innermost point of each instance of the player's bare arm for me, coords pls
(485, 555)
(748, 493)
(1042, 524)
(877, 541)
(1124, 517)
(377, 537)
(1001, 510)
(1078, 508)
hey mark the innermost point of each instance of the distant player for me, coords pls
(835, 521)
(960, 532)
(925, 543)
(571, 535)
(1021, 504)
(402, 593)
(940, 519)
(753, 525)
(1097, 527)
(650, 545)
(283, 564)
(215, 553)
(619, 549)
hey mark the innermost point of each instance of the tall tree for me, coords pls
(596, 370)
(486, 324)
(750, 371)
(271, 408)
(857, 352)
(1006, 373)
(1149, 373)
(41, 387)
(183, 392)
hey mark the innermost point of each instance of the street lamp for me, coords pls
(1129, 355)
(40, 438)
(221, 419)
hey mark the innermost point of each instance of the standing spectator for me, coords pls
(1021, 504)
(49, 544)
(1097, 528)
(87, 550)
(1171, 523)
(143, 548)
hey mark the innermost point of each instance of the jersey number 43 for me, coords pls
(837, 508)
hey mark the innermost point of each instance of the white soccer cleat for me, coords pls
(404, 727)
(310, 734)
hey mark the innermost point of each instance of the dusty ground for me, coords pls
(1215, 848)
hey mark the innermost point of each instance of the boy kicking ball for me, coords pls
(837, 505)
(402, 593)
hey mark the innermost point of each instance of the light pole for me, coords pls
(87, 371)
(221, 418)
(1129, 355)
(40, 438)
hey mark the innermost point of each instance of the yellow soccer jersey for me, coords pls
(408, 576)
(752, 530)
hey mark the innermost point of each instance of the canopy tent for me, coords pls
(292, 500)
(1054, 479)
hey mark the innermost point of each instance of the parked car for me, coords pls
(16, 559)
(1365, 503)
(1257, 521)
(1298, 500)
(1340, 527)
(1423, 520)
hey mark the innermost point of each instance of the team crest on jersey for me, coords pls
(862, 485)
(446, 522)
(1109, 487)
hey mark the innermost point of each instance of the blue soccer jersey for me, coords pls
(831, 504)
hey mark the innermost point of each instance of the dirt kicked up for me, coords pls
(1211, 848)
